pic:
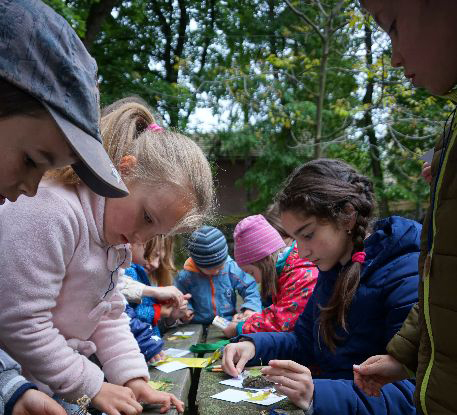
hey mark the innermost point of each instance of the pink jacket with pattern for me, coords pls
(55, 270)
(295, 286)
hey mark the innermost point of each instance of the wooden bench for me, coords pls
(180, 379)
(209, 385)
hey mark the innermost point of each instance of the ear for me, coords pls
(127, 164)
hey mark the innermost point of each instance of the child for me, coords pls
(75, 242)
(159, 261)
(213, 279)
(145, 312)
(283, 276)
(272, 216)
(423, 35)
(42, 126)
(366, 287)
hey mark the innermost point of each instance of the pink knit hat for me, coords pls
(255, 239)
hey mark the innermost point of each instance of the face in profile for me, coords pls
(322, 242)
(423, 35)
(30, 145)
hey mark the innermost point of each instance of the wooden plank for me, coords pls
(214, 334)
(181, 379)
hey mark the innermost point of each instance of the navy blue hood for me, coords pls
(392, 237)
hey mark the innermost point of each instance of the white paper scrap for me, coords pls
(171, 367)
(171, 352)
(238, 383)
(231, 395)
(183, 333)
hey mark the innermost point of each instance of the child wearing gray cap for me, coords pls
(49, 110)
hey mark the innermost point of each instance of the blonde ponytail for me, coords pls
(164, 159)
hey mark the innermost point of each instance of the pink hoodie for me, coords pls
(55, 270)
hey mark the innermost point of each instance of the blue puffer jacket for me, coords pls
(148, 310)
(216, 296)
(387, 291)
(148, 341)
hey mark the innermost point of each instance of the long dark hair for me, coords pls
(15, 101)
(327, 189)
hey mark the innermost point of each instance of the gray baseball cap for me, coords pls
(41, 54)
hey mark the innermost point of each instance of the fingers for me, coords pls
(51, 407)
(177, 403)
(286, 381)
(287, 365)
(244, 358)
(228, 361)
(273, 373)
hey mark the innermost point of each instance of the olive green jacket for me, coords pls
(427, 342)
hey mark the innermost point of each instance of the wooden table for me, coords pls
(181, 379)
(209, 385)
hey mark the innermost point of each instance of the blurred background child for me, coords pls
(147, 303)
(213, 279)
(282, 275)
(159, 261)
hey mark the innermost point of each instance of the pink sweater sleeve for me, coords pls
(37, 240)
(118, 350)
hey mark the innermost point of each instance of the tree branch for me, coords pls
(305, 18)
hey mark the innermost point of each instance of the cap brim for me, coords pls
(95, 168)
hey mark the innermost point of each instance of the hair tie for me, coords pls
(155, 127)
(359, 257)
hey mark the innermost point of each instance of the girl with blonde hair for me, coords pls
(69, 244)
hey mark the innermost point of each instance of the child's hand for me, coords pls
(237, 318)
(247, 313)
(178, 312)
(187, 316)
(376, 372)
(166, 310)
(34, 402)
(237, 354)
(144, 393)
(427, 172)
(230, 330)
(293, 380)
(162, 294)
(158, 357)
(114, 399)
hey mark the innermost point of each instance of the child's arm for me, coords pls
(49, 236)
(118, 350)
(132, 290)
(342, 397)
(246, 286)
(13, 386)
(149, 343)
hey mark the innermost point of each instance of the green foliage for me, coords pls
(259, 64)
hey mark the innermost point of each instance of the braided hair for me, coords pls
(327, 189)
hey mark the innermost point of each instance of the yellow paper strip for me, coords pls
(198, 362)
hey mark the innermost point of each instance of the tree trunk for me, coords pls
(98, 12)
(367, 123)
(321, 96)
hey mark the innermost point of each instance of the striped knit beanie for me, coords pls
(207, 247)
(255, 239)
